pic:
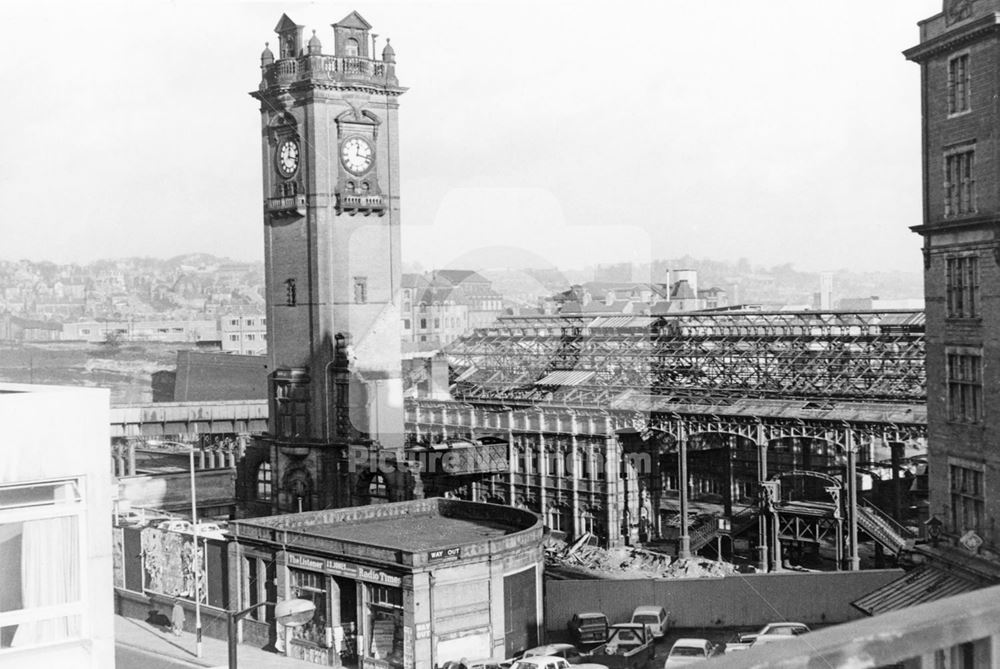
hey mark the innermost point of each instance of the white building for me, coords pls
(56, 573)
(244, 333)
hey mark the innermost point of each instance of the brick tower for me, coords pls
(332, 252)
(959, 57)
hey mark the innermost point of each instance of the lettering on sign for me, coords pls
(444, 554)
(377, 576)
(305, 561)
(423, 630)
(338, 568)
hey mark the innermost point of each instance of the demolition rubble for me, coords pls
(582, 560)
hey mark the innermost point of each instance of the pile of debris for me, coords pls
(582, 559)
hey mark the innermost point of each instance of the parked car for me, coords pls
(541, 662)
(206, 529)
(563, 650)
(489, 663)
(589, 627)
(629, 646)
(174, 526)
(769, 633)
(689, 651)
(655, 619)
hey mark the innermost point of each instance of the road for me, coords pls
(129, 658)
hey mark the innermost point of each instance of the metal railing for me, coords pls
(883, 528)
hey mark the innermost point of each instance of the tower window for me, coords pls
(959, 181)
(351, 48)
(959, 98)
(360, 290)
(291, 409)
(378, 491)
(965, 385)
(290, 292)
(962, 286)
(264, 481)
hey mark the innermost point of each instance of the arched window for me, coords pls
(351, 48)
(264, 481)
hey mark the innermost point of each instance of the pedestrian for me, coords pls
(177, 617)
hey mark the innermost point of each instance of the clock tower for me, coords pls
(330, 146)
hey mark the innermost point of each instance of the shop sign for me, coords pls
(407, 647)
(423, 630)
(377, 576)
(352, 571)
(305, 561)
(444, 554)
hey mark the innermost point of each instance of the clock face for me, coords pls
(357, 155)
(288, 157)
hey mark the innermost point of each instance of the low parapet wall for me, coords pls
(732, 601)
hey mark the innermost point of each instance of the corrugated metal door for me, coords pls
(520, 613)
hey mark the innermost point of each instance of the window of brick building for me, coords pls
(968, 500)
(959, 97)
(962, 286)
(959, 181)
(965, 385)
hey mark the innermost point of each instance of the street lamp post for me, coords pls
(195, 561)
(290, 613)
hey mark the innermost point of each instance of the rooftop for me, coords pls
(414, 534)
(410, 533)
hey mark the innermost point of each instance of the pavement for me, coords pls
(138, 637)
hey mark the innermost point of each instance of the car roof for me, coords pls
(538, 659)
(552, 646)
(591, 614)
(647, 609)
(787, 625)
(693, 643)
(483, 660)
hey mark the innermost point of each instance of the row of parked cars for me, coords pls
(629, 645)
(592, 627)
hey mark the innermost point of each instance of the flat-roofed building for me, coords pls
(406, 585)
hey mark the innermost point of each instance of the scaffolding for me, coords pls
(711, 358)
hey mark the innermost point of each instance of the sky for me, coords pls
(532, 134)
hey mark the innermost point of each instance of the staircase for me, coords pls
(704, 533)
(883, 529)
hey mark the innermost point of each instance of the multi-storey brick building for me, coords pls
(959, 57)
(330, 146)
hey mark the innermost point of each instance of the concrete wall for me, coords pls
(213, 488)
(745, 600)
